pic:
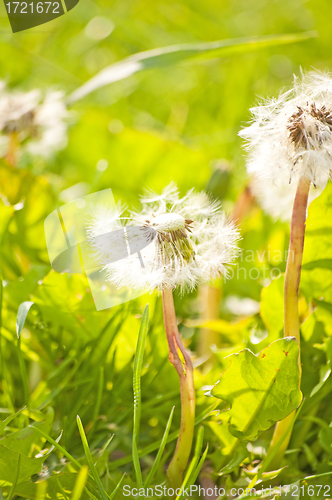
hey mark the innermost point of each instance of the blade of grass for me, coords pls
(90, 495)
(112, 495)
(194, 461)
(319, 475)
(160, 451)
(7, 421)
(12, 489)
(138, 364)
(62, 490)
(22, 313)
(90, 459)
(80, 483)
(106, 445)
(98, 402)
(194, 475)
(154, 446)
(59, 448)
(168, 56)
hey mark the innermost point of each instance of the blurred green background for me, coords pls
(172, 123)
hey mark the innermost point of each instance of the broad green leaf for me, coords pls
(241, 453)
(168, 56)
(24, 440)
(9, 462)
(11, 493)
(56, 486)
(261, 389)
(316, 279)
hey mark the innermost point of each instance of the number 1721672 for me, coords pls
(33, 8)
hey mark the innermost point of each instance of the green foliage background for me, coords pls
(174, 123)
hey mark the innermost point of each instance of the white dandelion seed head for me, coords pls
(190, 241)
(51, 121)
(17, 110)
(39, 123)
(291, 136)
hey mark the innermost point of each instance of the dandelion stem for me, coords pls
(210, 297)
(11, 155)
(243, 204)
(294, 261)
(291, 292)
(181, 361)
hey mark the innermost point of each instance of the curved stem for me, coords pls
(181, 361)
(291, 292)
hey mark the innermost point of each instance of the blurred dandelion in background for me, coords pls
(31, 122)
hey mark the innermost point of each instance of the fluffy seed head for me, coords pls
(189, 241)
(39, 122)
(291, 136)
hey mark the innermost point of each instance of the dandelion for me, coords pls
(290, 142)
(34, 123)
(191, 242)
(291, 136)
